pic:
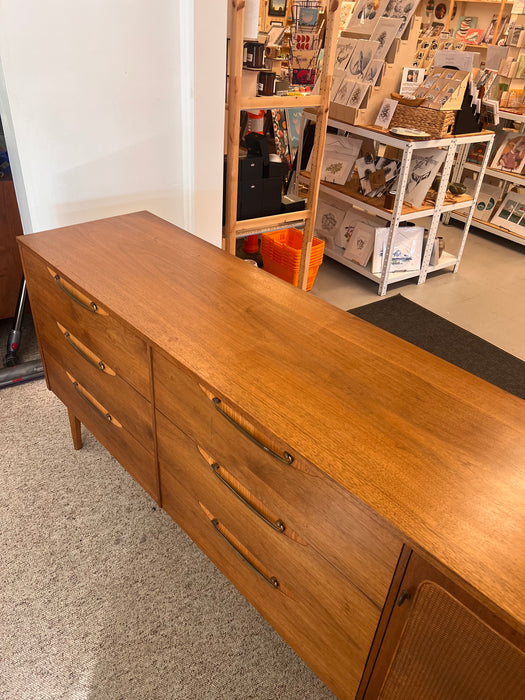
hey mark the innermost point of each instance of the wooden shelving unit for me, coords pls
(237, 102)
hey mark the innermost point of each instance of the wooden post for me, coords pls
(333, 12)
(233, 119)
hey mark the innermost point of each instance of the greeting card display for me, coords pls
(443, 88)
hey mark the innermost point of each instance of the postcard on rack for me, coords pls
(384, 33)
(510, 155)
(329, 219)
(365, 16)
(401, 10)
(373, 71)
(358, 95)
(343, 52)
(511, 214)
(363, 55)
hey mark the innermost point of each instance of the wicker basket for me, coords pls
(435, 122)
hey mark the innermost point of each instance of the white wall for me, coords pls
(103, 104)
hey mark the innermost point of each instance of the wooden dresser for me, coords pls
(365, 496)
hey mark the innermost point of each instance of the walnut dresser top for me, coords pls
(434, 451)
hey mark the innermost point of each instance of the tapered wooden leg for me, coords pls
(76, 433)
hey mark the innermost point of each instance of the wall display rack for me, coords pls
(401, 212)
(506, 180)
(238, 102)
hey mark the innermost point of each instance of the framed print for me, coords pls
(340, 154)
(277, 8)
(305, 14)
(511, 214)
(357, 95)
(488, 198)
(407, 251)
(403, 11)
(365, 167)
(510, 155)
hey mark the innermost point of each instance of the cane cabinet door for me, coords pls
(442, 644)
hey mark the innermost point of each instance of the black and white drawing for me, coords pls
(386, 112)
(373, 71)
(345, 48)
(344, 91)
(365, 16)
(362, 56)
(357, 95)
(384, 33)
(401, 9)
(424, 167)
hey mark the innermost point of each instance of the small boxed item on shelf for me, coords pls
(281, 254)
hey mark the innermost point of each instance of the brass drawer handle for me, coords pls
(277, 525)
(286, 458)
(89, 307)
(100, 365)
(105, 415)
(274, 583)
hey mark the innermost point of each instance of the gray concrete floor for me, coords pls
(486, 296)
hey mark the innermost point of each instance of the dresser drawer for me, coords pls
(94, 373)
(259, 571)
(108, 429)
(310, 578)
(89, 321)
(320, 511)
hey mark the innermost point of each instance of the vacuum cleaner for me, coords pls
(15, 372)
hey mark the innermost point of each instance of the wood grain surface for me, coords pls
(436, 452)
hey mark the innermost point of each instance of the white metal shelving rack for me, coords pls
(513, 178)
(401, 212)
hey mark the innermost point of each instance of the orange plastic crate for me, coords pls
(281, 254)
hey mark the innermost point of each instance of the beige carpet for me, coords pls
(102, 596)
